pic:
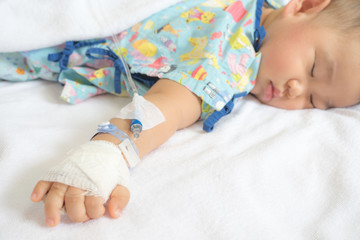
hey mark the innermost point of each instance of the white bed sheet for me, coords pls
(263, 173)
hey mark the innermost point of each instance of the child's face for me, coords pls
(307, 66)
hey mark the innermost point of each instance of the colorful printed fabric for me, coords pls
(207, 46)
(277, 3)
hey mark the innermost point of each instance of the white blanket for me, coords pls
(263, 173)
(31, 24)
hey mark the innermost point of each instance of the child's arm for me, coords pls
(181, 109)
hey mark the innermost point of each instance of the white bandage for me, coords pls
(144, 111)
(96, 167)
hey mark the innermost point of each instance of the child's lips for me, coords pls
(271, 92)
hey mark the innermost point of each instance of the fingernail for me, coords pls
(34, 196)
(49, 222)
(117, 212)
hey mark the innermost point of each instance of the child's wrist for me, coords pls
(106, 137)
(122, 124)
(114, 134)
(109, 138)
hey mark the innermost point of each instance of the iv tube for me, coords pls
(127, 70)
(136, 125)
(118, 52)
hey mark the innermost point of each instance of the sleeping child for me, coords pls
(191, 62)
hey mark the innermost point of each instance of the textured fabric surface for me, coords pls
(286, 175)
(38, 23)
(262, 174)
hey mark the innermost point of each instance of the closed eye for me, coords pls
(312, 75)
(313, 67)
(311, 101)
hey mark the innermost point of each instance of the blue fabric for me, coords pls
(119, 67)
(209, 123)
(109, 55)
(70, 46)
(204, 45)
(149, 81)
(259, 35)
(207, 46)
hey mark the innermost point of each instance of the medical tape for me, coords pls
(127, 145)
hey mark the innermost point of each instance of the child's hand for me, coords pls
(97, 166)
(79, 207)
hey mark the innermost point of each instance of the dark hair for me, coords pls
(344, 15)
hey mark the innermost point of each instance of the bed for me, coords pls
(263, 173)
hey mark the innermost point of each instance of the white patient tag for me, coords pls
(129, 153)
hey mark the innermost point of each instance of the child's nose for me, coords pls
(295, 88)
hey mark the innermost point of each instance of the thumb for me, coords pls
(119, 199)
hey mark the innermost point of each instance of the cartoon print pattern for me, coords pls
(206, 45)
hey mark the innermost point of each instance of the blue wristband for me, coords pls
(116, 132)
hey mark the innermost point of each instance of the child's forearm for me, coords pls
(179, 106)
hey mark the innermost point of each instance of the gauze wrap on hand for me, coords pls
(96, 167)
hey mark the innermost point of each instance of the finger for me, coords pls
(119, 198)
(74, 203)
(53, 203)
(40, 189)
(94, 206)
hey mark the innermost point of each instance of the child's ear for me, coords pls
(304, 6)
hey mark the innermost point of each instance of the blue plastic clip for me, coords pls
(136, 128)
